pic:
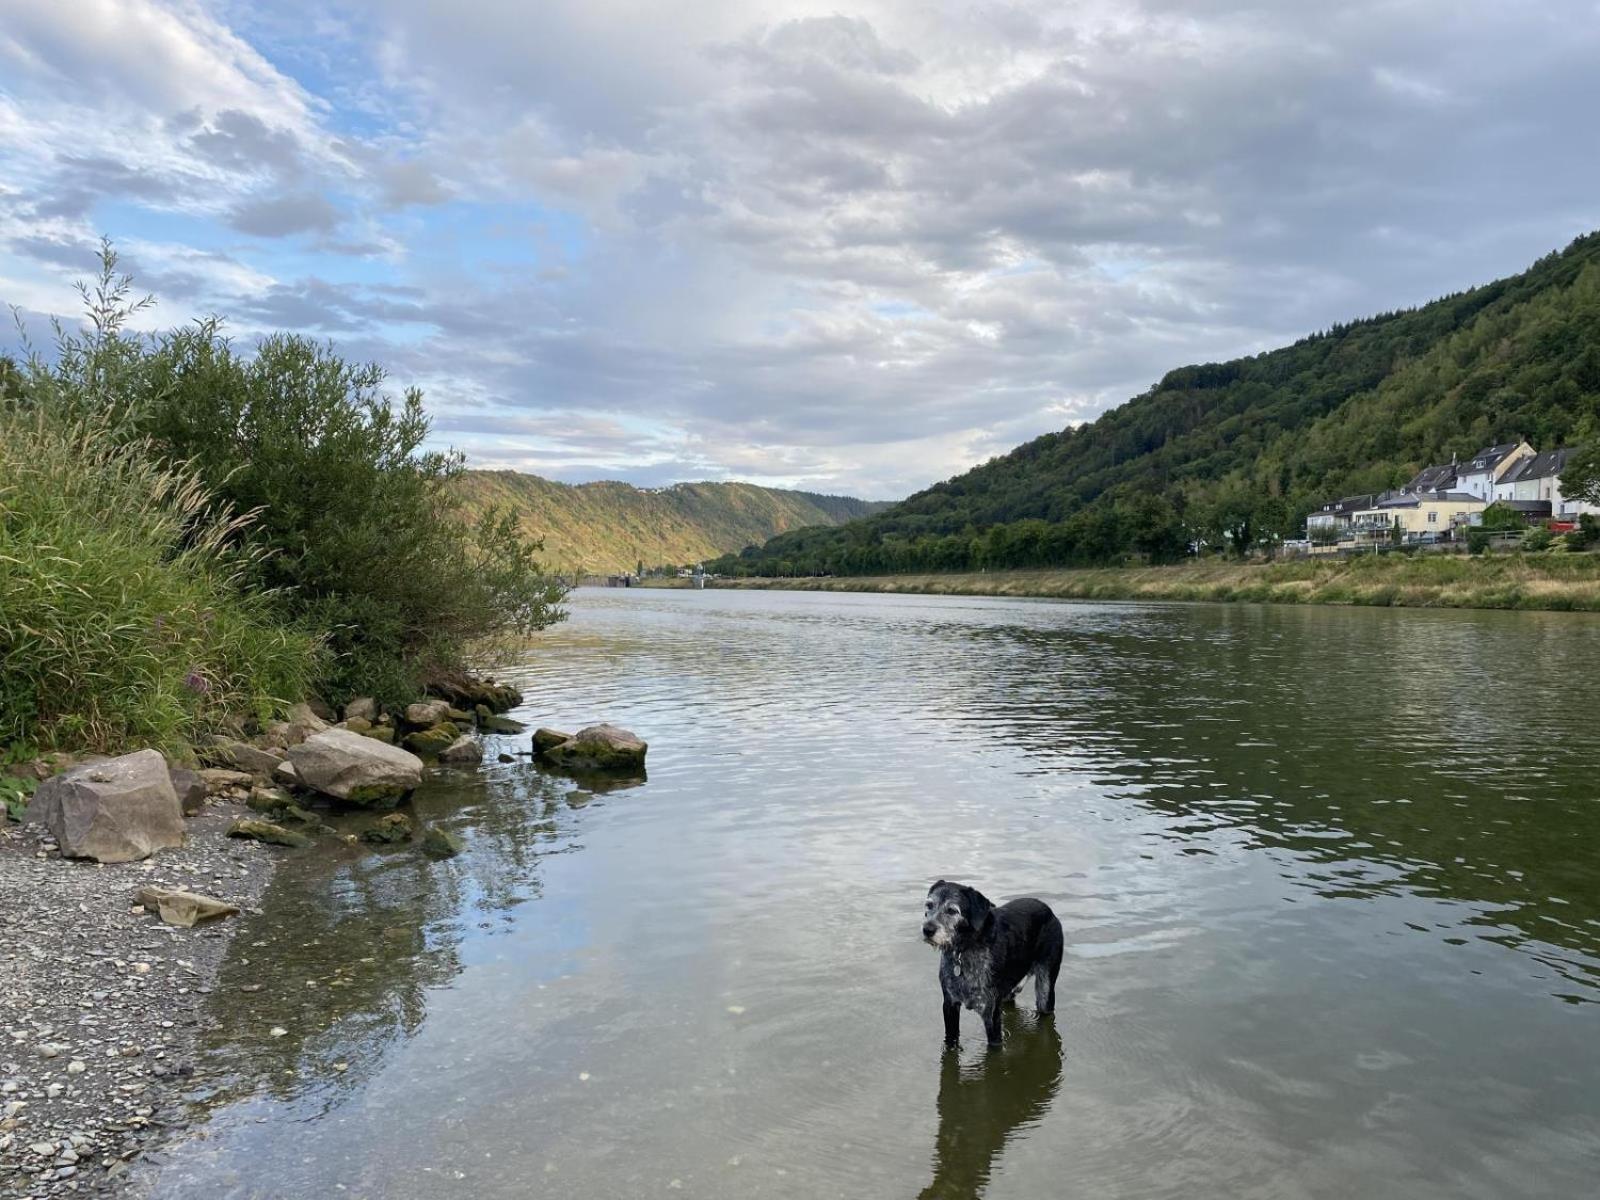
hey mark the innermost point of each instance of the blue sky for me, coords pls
(851, 245)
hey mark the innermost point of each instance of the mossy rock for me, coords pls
(396, 827)
(490, 723)
(379, 733)
(546, 739)
(441, 843)
(268, 800)
(429, 743)
(600, 748)
(266, 831)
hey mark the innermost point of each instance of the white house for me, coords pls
(1479, 474)
(1539, 478)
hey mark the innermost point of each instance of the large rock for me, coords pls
(303, 723)
(364, 708)
(426, 713)
(599, 748)
(118, 810)
(242, 756)
(545, 738)
(466, 750)
(191, 790)
(465, 692)
(182, 908)
(357, 769)
(431, 743)
(267, 831)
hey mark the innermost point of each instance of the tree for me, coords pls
(1581, 479)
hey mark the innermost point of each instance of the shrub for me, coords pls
(124, 614)
(1537, 538)
(1477, 541)
(360, 538)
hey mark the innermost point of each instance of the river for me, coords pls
(1330, 881)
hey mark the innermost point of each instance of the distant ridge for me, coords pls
(610, 527)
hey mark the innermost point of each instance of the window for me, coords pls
(1433, 517)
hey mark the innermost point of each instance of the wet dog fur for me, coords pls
(986, 951)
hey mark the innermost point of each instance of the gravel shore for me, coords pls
(101, 1003)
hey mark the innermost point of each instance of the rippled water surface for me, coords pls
(1330, 881)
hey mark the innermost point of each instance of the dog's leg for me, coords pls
(1044, 980)
(952, 1022)
(991, 1021)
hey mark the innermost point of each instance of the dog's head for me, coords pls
(956, 914)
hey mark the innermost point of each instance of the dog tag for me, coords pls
(956, 970)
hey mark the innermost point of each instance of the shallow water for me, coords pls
(1330, 881)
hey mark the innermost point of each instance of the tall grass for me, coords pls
(123, 612)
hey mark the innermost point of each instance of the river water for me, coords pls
(1330, 881)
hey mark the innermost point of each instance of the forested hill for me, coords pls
(610, 527)
(1246, 448)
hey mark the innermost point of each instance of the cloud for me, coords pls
(853, 246)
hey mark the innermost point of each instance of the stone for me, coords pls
(221, 779)
(545, 739)
(119, 810)
(441, 843)
(354, 768)
(430, 743)
(599, 748)
(302, 724)
(396, 827)
(268, 799)
(357, 724)
(266, 831)
(466, 692)
(380, 733)
(426, 713)
(285, 775)
(182, 908)
(506, 758)
(362, 708)
(321, 709)
(464, 751)
(242, 756)
(191, 789)
(494, 724)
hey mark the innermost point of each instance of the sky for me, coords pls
(855, 246)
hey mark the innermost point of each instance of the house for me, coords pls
(1441, 478)
(1478, 475)
(1333, 520)
(1418, 514)
(1539, 478)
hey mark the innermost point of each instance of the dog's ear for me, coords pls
(980, 912)
(936, 885)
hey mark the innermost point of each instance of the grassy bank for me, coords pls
(1522, 581)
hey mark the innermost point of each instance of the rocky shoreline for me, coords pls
(105, 972)
(102, 1003)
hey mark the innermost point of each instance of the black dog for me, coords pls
(986, 952)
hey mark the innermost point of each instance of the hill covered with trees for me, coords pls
(1232, 453)
(610, 527)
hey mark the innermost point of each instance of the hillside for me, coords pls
(1247, 447)
(609, 527)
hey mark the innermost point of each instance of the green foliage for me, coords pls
(1538, 538)
(1242, 451)
(356, 533)
(1581, 479)
(14, 793)
(1478, 541)
(124, 609)
(1501, 516)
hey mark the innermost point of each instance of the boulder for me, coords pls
(268, 799)
(184, 908)
(379, 733)
(284, 775)
(464, 751)
(362, 708)
(191, 789)
(266, 831)
(241, 756)
(396, 827)
(599, 748)
(545, 739)
(302, 724)
(356, 724)
(426, 713)
(430, 743)
(321, 709)
(118, 810)
(441, 843)
(361, 770)
(465, 692)
(490, 723)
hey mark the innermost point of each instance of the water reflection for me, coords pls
(986, 1103)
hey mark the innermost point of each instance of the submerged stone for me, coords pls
(396, 827)
(441, 843)
(266, 831)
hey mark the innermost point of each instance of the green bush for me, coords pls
(1477, 541)
(124, 610)
(361, 540)
(1537, 538)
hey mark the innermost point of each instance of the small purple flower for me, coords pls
(196, 682)
(161, 622)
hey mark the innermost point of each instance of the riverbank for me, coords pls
(1566, 582)
(102, 1002)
